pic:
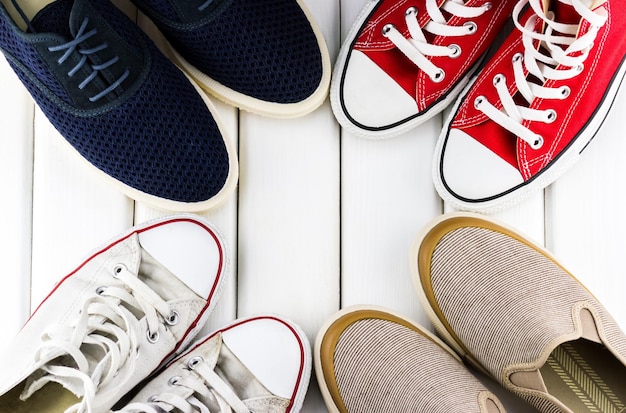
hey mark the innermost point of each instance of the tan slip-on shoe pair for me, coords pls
(505, 305)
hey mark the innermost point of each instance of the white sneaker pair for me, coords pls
(130, 309)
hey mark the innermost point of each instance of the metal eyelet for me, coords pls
(551, 116)
(411, 11)
(100, 290)
(537, 143)
(565, 91)
(439, 76)
(152, 337)
(471, 27)
(173, 381)
(118, 269)
(387, 28)
(517, 57)
(479, 101)
(498, 78)
(194, 361)
(456, 50)
(173, 318)
(153, 398)
(487, 6)
(580, 68)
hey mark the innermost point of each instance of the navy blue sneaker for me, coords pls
(119, 102)
(263, 56)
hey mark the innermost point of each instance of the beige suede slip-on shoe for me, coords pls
(510, 309)
(135, 303)
(370, 360)
(259, 364)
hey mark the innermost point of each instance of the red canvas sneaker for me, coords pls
(535, 106)
(405, 61)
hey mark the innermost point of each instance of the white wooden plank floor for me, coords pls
(321, 219)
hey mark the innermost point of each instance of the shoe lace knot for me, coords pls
(88, 353)
(417, 47)
(204, 383)
(74, 45)
(556, 52)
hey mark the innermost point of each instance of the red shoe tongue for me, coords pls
(564, 13)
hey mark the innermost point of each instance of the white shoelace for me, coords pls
(102, 339)
(417, 48)
(562, 50)
(204, 382)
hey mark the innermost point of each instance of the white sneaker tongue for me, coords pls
(40, 378)
(35, 383)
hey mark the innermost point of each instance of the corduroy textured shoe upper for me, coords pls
(369, 360)
(259, 364)
(535, 106)
(127, 309)
(512, 310)
(121, 104)
(265, 56)
(404, 61)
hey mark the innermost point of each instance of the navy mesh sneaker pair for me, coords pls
(119, 102)
(263, 56)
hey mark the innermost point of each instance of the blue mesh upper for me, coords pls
(159, 137)
(262, 48)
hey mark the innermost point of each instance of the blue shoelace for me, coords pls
(73, 45)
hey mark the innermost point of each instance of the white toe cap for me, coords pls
(471, 172)
(371, 97)
(274, 351)
(190, 249)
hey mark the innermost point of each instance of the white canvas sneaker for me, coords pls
(124, 311)
(260, 364)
